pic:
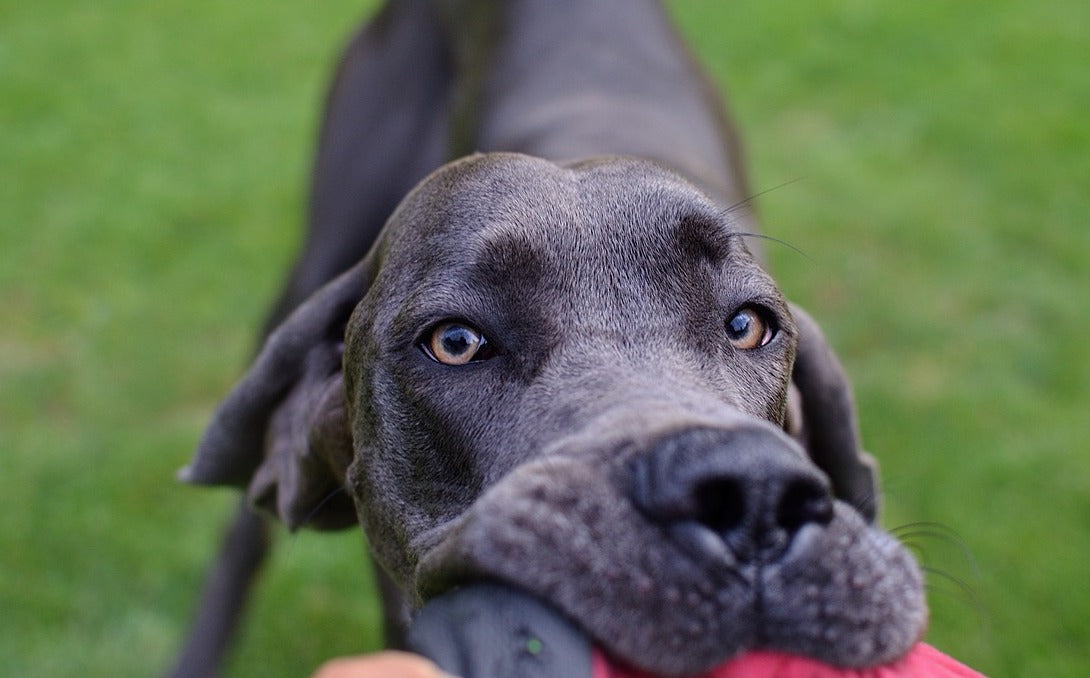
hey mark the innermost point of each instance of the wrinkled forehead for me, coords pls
(499, 209)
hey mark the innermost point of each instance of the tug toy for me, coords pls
(491, 631)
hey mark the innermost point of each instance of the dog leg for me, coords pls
(384, 128)
(244, 549)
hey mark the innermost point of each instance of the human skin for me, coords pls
(389, 664)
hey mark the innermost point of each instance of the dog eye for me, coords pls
(748, 329)
(454, 343)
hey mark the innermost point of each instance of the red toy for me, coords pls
(922, 661)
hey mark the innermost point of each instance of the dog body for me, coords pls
(556, 363)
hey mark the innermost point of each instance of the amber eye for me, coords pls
(456, 344)
(748, 329)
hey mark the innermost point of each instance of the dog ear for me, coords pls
(283, 432)
(821, 416)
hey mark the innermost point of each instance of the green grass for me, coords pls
(153, 162)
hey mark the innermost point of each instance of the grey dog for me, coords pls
(527, 341)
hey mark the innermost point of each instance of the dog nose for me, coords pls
(739, 495)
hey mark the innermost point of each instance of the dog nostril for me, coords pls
(720, 504)
(802, 503)
(734, 496)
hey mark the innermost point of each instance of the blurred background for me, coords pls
(153, 168)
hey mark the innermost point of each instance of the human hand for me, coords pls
(388, 664)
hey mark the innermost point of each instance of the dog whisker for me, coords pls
(941, 581)
(325, 500)
(730, 209)
(957, 588)
(762, 236)
(938, 532)
(748, 200)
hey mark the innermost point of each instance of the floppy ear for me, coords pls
(282, 432)
(821, 416)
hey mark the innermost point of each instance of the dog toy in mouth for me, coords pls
(922, 661)
(491, 631)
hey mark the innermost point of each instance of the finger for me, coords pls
(389, 664)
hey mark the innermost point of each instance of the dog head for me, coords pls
(576, 379)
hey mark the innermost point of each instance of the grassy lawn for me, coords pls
(153, 160)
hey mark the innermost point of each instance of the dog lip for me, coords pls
(443, 568)
(433, 579)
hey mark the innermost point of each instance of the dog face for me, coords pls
(593, 292)
(577, 380)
